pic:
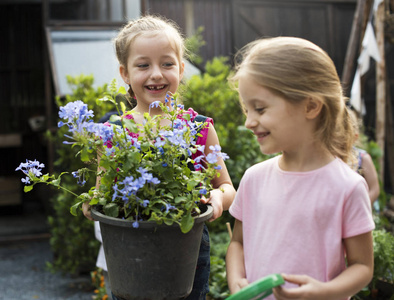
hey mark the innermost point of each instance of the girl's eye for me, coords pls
(168, 64)
(142, 65)
(260, 110)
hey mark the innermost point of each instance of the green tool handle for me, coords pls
(258, 289)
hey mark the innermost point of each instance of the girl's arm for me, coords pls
(359, 250)
(223, 194)
(371, 177)
(235, 266)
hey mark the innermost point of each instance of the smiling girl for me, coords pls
(150, 51)
(304, 213)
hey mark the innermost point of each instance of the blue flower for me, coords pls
(25, 180)
(212, 158)
(201, 148)
(168, 207)
(155, 104)
(203, 191)
(145, 203)
(136, 224)
(159, 142)
(30, 168)
(76, 115)
(155, 180)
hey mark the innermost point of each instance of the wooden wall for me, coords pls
(230, 24)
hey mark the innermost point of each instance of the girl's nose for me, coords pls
(250, 122)
(156, 73)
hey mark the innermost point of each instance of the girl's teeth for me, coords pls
(156, 87)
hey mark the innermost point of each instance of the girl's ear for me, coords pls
(181, 70)
(313, 107)
(125, 75)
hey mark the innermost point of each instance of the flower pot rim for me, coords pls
(97, 216)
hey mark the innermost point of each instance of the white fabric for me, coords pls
(101, 262)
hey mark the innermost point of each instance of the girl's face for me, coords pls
(152, 70)
(277, 123)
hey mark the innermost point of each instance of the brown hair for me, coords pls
(296, 69)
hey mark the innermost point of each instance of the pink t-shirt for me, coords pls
(295, 222)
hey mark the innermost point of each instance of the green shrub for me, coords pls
(72, 238)
(383, 245)
(218, 288)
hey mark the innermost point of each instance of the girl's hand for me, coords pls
(86, 211)
(216, 201)
(238, 285)
(309, 288)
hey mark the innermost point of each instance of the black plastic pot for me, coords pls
(152, 261)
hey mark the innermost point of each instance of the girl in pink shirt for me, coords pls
(304, 213)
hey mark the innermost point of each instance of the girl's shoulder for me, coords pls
(270, 164)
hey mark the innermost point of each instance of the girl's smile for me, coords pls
(153, 69)
(261, 136)
(273, 119)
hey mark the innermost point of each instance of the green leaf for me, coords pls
(145, 146)
(122, 91)
(111, 210)
(180, 199)
(84, 154)
(56, 182)
(187, 223)
(103, 99)
(191, 185)
(114, 118)
(75, 207)
(28, 188)
(130, 125)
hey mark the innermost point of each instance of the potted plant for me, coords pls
(152, 177)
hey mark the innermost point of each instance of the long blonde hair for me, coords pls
(296, 69)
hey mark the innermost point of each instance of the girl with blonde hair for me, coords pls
(304, 213)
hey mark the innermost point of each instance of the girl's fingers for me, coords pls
(296, 279)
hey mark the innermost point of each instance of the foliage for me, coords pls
(71, 236)
(383, 245)
(218, 288)
(144, 169)
(193, 45)
(72, 239)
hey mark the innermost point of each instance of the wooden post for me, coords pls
(380, 86)
(353, 45)
(390, 136)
